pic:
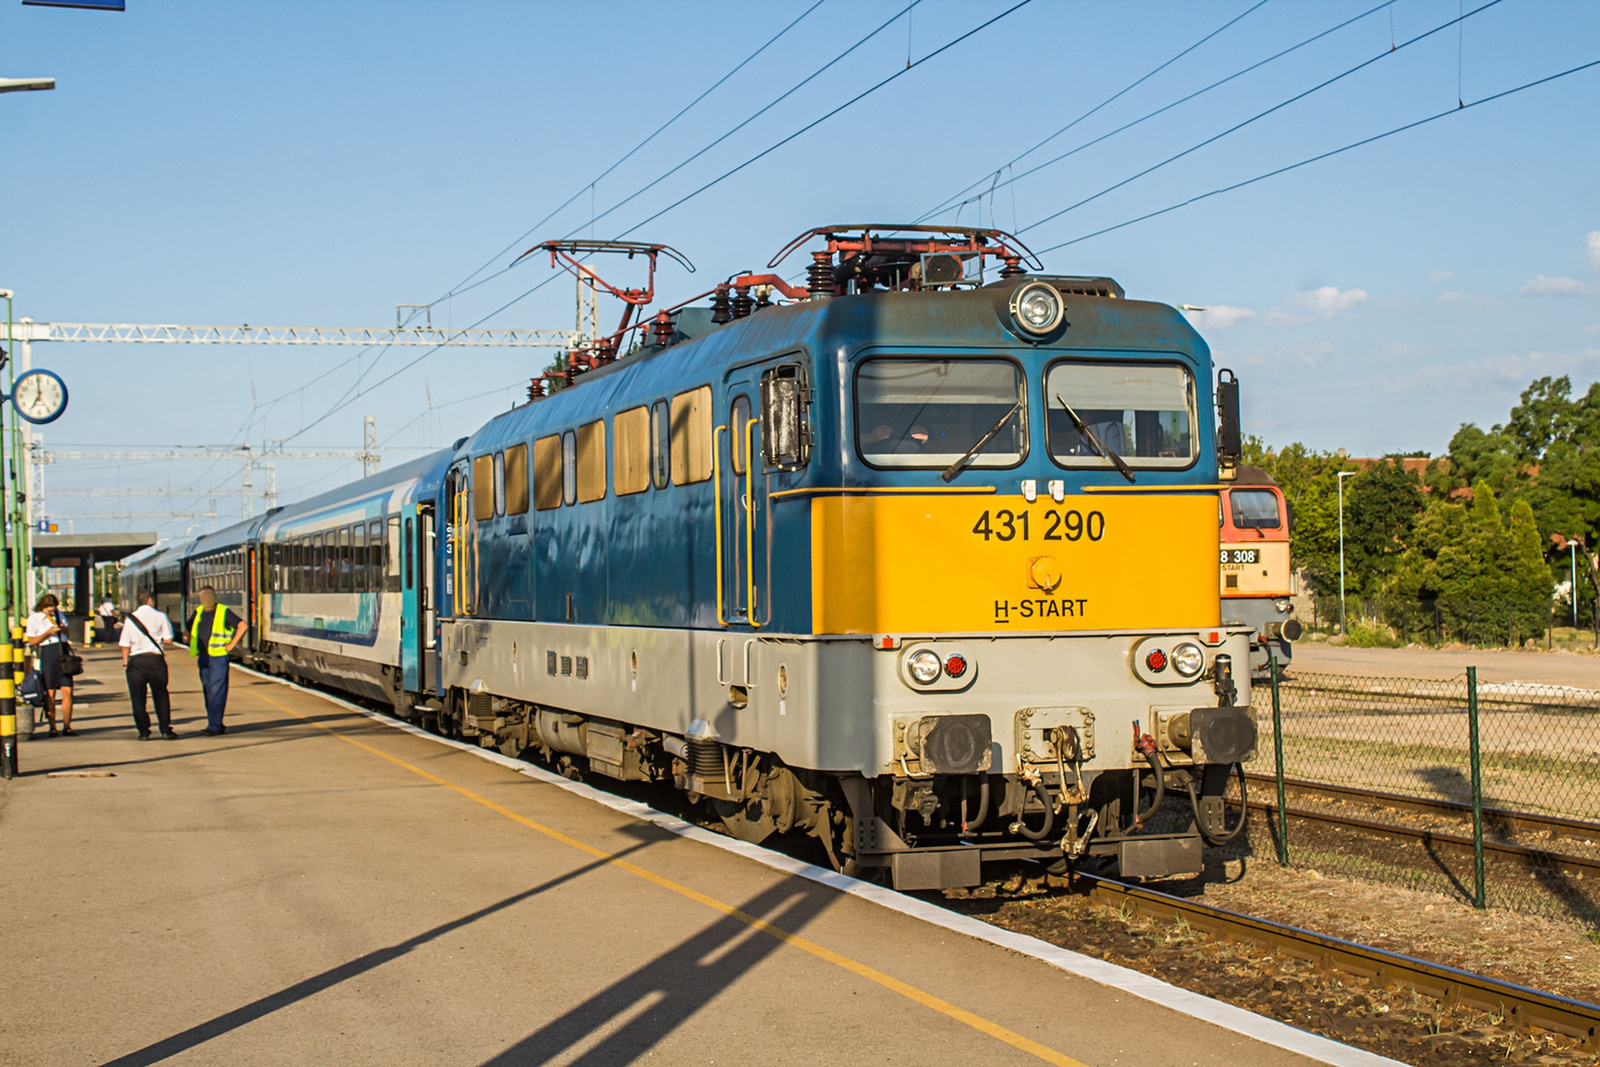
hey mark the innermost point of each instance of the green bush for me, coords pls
(1370, 633)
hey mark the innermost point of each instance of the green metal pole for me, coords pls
(1277, 755)
(1479, 895)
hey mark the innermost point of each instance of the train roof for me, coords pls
(428, 468)
(227, 537)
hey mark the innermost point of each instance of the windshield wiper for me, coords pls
(954, 469)
(1089, 435)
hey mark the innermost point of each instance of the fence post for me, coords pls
(1277, 760)
(1479, 895)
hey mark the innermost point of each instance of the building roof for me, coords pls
(77, 550)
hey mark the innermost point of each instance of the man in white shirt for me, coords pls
(144, 638)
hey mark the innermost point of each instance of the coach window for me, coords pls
(358, 553)
(483, 488)
(1144, 412)
(516, 480)
(660, 444)
(347, 570)
(375, 554)
(738, 424)
(592, 461)
(547, 476)
(630, 444)
(303, 564)
(314, 560)
(392, 551)
(691, 436)
(929, 413)
(569, 468)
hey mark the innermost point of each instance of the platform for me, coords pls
(317, 886)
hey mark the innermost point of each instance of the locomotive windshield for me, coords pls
(1254, 509)
(929, 413)
(1144, 412)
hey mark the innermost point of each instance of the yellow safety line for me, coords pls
(928, 1000)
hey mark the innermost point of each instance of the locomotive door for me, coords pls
(742, 505)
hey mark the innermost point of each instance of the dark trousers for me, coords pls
(149, 670)
(214, 679)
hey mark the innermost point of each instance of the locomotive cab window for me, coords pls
(928, 413)
(1143, 412)
(1254, 509)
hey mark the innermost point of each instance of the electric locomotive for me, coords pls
(919, 558)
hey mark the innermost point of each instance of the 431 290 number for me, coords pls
(1008, 525)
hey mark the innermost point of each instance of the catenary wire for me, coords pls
(1325, 155)
(1107, 101)
(1256, 117)
(1012, 179)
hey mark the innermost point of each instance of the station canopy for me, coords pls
(80, 550)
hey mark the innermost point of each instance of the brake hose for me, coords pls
(1244, 812)
(1049, 816)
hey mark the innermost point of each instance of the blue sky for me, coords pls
(319, 163)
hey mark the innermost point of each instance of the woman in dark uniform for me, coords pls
(47, 632)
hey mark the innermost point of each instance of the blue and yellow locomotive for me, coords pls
(920, 561)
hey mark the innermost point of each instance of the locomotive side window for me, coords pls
(630, 436)
(691, 436)
(483, 488)
(516, 480)
(738, 422)
(547, 473)
(1144, 412)
(591, 466)
(1254, 509)
(929, 413)
(569, 468)
(499, 483)
(660, 444)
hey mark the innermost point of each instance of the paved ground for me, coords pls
(315, 887)
(1494, 665)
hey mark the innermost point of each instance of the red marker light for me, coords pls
(956, 665)
(1156, 660)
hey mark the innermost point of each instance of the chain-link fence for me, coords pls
(1488, 792)
(1380, 621)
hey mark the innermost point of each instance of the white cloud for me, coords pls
(1502, 374)
(1404, 350)
(1593, 327)
(1437, 276)
(1219, 316)
(1594, 248)
(1317, 305)
(1542, 286)
(1450, 297)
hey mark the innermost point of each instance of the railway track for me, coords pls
(1528, 1007)
(1504, 820)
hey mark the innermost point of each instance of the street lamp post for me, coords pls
(1572, 553)
(1340, 477)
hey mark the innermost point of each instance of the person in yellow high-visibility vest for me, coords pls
(214, 630)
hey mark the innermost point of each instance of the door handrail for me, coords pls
(716, 509)
(750, 526)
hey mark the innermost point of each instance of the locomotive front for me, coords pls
(1017, 639)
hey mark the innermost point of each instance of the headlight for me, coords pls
(1282, 605)
(1037, 308)
(1187, 659)
(925, 667)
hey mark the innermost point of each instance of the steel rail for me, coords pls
(1529, 1007)
(1513, 819)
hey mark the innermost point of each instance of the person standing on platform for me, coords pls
(145, 636)
(46, 631)
(213, 632)
(107, 613)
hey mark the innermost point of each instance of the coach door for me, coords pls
(746, 565)
(463, 552)
(411, 550)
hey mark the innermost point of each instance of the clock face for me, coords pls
(39, 396)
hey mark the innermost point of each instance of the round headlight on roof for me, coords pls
(1037, 308)
(924, 667)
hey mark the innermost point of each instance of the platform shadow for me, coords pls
(675, 985)
(310, 987)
